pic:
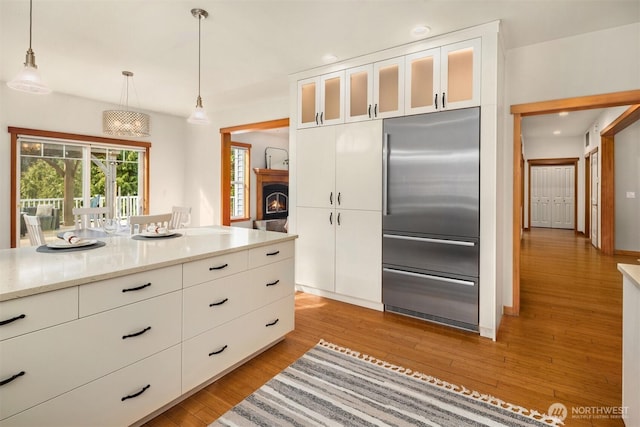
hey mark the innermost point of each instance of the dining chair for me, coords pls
(89, 217)
(180, 217)
(143, 221)
(36, 236)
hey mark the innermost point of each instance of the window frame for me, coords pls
(15, 153)
(246, 181)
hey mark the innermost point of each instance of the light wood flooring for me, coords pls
(566, 345)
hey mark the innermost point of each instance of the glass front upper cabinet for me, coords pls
(443, 78)
(320, 100)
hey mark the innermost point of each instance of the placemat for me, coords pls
(141, 237)
(46, 249)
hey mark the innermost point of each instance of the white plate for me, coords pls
(167, 234)
(63, 244)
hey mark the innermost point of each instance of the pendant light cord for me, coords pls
(30, 22)
(199, 53)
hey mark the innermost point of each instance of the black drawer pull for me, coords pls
(273, 283)
(272, 323)
(137, 288)
(124, 337)
(213, 353)
(13, 319)
(213, 304)
(8, 380)
(131, 396)
(219, 268)
(273, 253)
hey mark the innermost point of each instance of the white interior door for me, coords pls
(595, 191)
(540, 197)
(562, 179)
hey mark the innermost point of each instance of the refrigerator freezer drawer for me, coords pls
(433, 254)
(444, 299)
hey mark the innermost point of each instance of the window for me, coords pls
(240, 166)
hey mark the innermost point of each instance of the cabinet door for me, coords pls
(460, 74)
(422, 82)
(331, 98)
(315, 249)
(388, 88)
(359, 93)
(359, 166)
(308, 102)
(359, 254)
(316, 167)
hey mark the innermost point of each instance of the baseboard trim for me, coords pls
(342, 298)
(629, 253)
(508, 311)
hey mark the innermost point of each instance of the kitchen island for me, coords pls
(630, 343)
(113, 335)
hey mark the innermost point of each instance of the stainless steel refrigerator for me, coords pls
(431, 216)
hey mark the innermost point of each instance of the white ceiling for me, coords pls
(250, 47)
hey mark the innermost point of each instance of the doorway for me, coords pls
(606, 172)
(552, 193)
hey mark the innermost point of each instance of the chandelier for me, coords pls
(28, 80)
(125, 122)
(199, 115)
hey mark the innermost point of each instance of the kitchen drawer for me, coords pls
(112, 293)
(100, 403)
(57, 359)
(270, 253)
(209, 354)
(28, 314)
(213, 268)
(211, 304)
(434, 254)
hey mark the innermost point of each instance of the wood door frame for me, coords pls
(519, 111)
(570, 161)
(225, 167)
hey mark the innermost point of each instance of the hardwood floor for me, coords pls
(566, 345)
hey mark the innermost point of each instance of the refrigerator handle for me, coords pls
(385, 175)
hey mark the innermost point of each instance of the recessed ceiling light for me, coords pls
(328, 58)
(557, 132)
(420, 30)
(563, 113)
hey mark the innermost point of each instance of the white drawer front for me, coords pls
(112, 293)
(270, 253)
(22, 315)
(211, 304)
(100, 403)
(213, 268)
(208, 354)
(62, 357)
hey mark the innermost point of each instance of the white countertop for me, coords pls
(632, 272)
(26, 272)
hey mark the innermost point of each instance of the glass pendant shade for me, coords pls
(28, 80)
(199, 115)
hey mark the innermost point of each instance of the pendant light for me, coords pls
(199, 115)
(125, 122)
(28, 80)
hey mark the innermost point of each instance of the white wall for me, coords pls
(593, 63)
(627, 180)
(70, 114)
(555, 148)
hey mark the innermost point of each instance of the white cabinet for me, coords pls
(320, 100)
(447, 77)
(375, 91)
(343, 227)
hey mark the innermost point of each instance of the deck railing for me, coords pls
(125, 205)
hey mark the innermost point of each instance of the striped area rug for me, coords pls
(334, 386)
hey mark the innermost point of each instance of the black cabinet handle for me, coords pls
(375, 111)
(338, 218)
(272, 323)
(213, 353)
(339, 197)
(316, 118)
(124, 337)
(331, 198)
(273, 253)
(8, 380)
(322, 117)
(213, 304)
(435, 101)
(443, 100)
(137, 288)
(13, 319)
(131, 396)
(219, 267)
(331, 218)
(273, 283)
(369, 110)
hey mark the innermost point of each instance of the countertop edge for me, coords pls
(25, 292)
(631, 272)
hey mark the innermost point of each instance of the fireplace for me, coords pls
(275, 201)
(272, 199)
